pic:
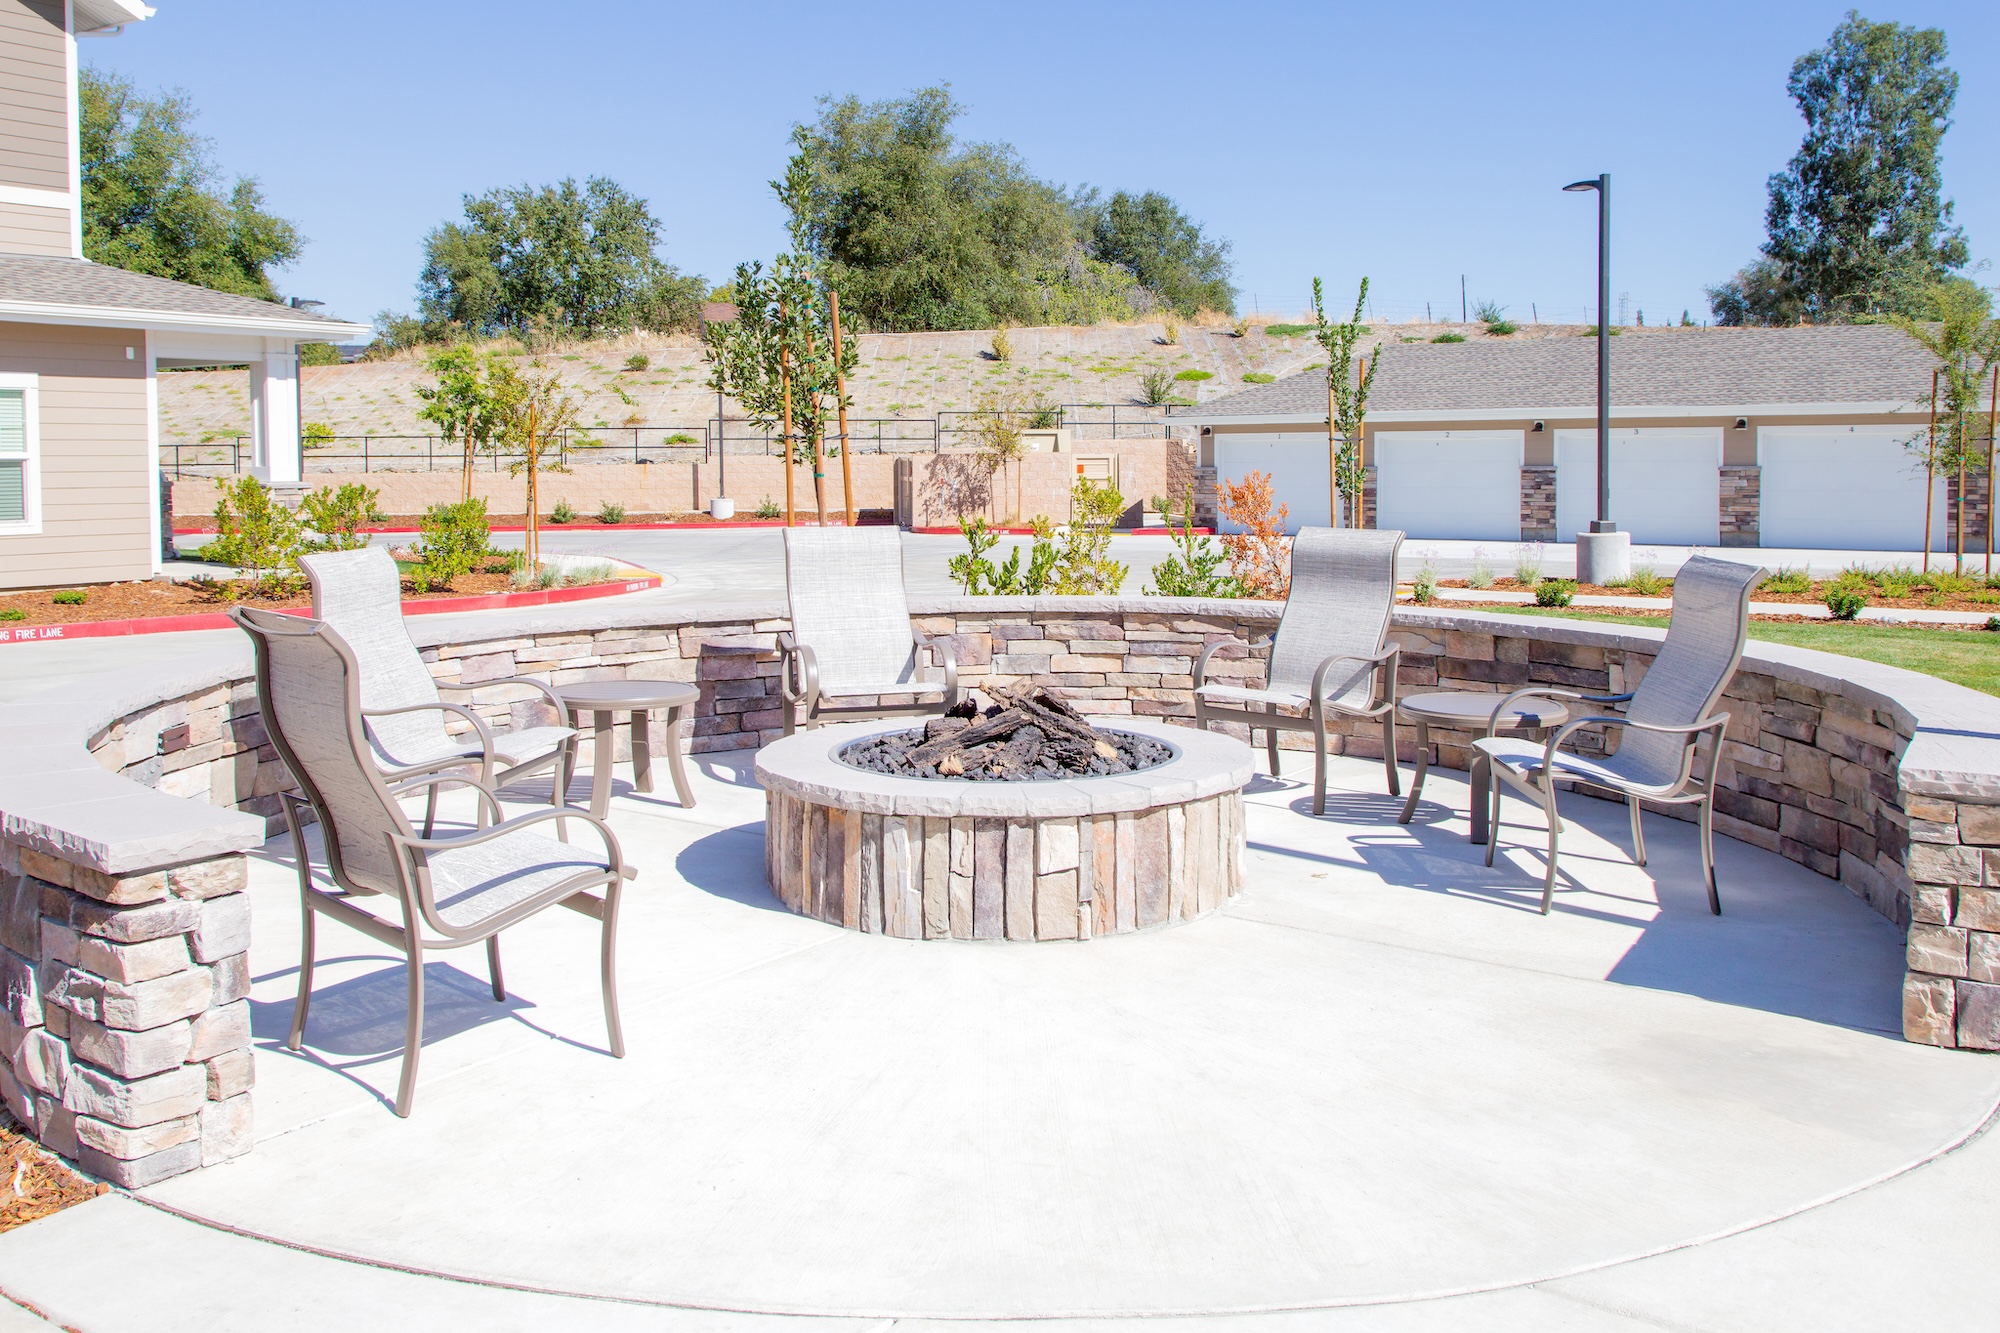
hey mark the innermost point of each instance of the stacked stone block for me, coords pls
(1741, 505)
(1538, 503)
(1951, 995)
(125, 1038)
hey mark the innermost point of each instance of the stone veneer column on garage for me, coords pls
(1538, 502)
(1741, 514)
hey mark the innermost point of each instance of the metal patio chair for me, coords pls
(1330, 656)
(451, 892)
(359, 594)
(1664, 719)
(851, 635)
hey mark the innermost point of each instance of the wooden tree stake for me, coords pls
(785, 440)
(819, 427)
(840, 398)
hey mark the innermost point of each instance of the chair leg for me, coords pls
(1389, 753)
(431, 811)
(1555, 836)
(609, 969)
(1271, 748)
(1319, 771)
(307, 935)
(413, 1029)
(1492, 816)
(1638, 832)
(1708, 854)
(493, 967)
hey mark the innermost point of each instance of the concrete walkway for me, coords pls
(1379, 1091)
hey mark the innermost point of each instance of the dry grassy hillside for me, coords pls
(908, 375)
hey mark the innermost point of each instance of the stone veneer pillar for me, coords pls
(125, 1037)
(1538, 502)
(1741, 516)
(1951, 994)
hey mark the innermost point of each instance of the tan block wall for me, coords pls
(97, 481)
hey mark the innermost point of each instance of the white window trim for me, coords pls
(31, 478)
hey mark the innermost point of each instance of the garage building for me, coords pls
(1797, 437)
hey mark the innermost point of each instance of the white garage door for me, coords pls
(1665, 484)
(1457, 484)
(1844, 486)
(1296, 462)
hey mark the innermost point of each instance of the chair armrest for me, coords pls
(614, 854)
(438, 779)
(1201, 662)
(553, 694)
(478, 723)
(796, 660)
(1390, 656)
(1715, 722)
(947, 656)
(1548, 692)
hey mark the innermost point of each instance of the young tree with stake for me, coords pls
(535, 413)
(1346, 404)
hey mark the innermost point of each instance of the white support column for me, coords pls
(274, 416)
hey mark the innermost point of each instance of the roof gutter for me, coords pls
(301, 328)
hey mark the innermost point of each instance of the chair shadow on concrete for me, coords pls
(1788, 941)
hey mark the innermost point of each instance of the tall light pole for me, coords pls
(1604, 554)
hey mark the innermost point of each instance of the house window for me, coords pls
(20, 479)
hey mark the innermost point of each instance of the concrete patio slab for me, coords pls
(1376, 1078)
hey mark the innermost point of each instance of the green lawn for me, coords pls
(1969, 657)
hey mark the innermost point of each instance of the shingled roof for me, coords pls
(1725, 369)
(34, 286)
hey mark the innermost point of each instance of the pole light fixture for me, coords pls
(1602, 523)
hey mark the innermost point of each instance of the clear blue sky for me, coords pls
(1410, 143)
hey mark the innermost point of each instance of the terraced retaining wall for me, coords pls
(1816, 765)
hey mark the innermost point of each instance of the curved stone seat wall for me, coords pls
(1883, 780)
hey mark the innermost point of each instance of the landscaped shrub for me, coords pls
(1156, 388)
(1844, 601)
(769, 509)
(70, 597)
(1482, 573)
(638, 361)
(1992, 623)
(564, 512)
(257, 535)
(1259, 377)
(1261, 554)
(1555, 592)
(1003, 346)
(681, 437)
(314, 434)
(1044, 415)
(1170, 332)
(1642, 582)
(1449, 338)
(1424, 587)
(1240, 327)
(455, 541)
(611, 512)
(16, 613)
(1287, 330)
(1196, 567)
(1528, 564)
(1789, 580)
(337, 514)
(1195, 376)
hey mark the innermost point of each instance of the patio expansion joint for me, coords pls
(1975, 1130)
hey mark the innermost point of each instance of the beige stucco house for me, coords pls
(1792, 437)
(81, 344)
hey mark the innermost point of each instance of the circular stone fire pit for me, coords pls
(1059, 859)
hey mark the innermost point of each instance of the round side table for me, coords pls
(1470, 710)
(604, 700)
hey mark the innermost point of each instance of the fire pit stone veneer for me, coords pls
(1067, 859)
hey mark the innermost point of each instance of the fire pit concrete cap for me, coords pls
(806, 766)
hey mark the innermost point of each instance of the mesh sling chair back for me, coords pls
(452, 891)
(851, 635)
(359, 594)
(1330, 656)
(1664, 719)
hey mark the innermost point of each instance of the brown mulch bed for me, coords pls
(36, 1183)
(132, 601)
(1944, 602)
(196, 524)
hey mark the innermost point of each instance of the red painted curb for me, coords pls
(1029, 532)
(492, 601)
(390, 531)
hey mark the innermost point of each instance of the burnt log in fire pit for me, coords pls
(1032, 737)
